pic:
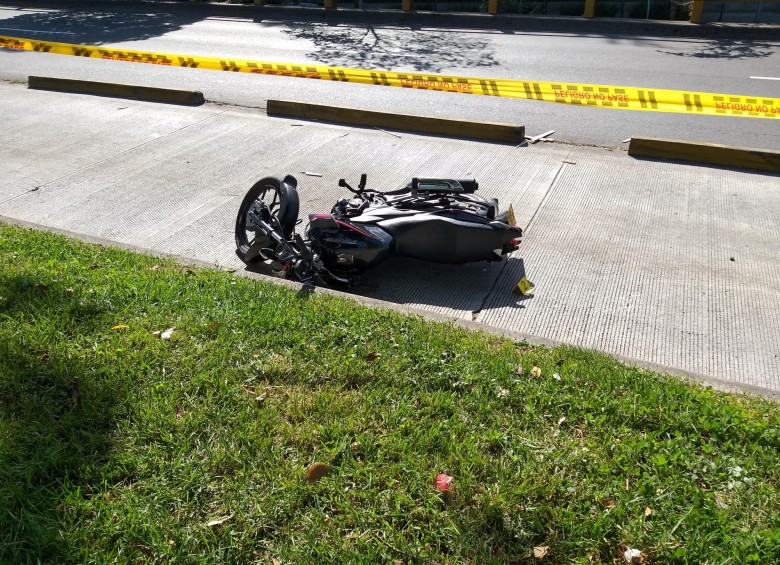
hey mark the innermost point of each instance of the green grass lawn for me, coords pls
(117, 445)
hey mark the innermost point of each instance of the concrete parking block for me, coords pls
(118, 90)
(709, 153)
(491, 131)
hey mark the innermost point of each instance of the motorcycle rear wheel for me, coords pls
(273, 201)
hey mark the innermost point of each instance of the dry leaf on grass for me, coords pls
(119, 327)
(316, 472)
(541, 551)
(261, 393)
(633, 556)
(218, 521)
(164, 334)
(147, 551)
(536, 372)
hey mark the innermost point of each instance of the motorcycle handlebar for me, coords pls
(469, 186)
(343, 184)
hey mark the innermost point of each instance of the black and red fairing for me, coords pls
(346, 246)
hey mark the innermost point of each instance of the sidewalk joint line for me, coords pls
(547, 192)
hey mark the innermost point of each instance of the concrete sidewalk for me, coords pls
(671, 265)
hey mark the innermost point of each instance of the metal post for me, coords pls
(493, 6)
(407, 5)
(590, 8)
(330, 4)
(698, 6)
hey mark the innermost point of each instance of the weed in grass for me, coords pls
(117, 445)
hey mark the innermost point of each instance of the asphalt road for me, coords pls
(721, 60)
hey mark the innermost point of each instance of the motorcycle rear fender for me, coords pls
(290, 181)
(289, 205)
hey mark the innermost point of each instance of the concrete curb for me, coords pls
(116, 90)
(489, 131)
(706, 153)
(706, 380)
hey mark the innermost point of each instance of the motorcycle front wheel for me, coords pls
(273, 201)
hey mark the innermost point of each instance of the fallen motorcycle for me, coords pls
(431, 219)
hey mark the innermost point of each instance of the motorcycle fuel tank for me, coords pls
(346, 247)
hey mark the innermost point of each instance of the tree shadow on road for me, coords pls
(727, 49)
(105, 24)
(338, 43)
(387, 47)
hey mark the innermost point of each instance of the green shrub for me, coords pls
(607, 10)
(523, 7)
(659, 10)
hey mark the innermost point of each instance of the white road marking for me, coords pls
(766, 78)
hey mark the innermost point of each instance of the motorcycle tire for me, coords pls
(281, 212)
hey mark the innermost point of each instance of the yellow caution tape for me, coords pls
(617, 97)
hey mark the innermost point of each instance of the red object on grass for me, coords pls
(443, 482)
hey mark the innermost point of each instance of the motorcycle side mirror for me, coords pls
(362, 184)
(342, 183)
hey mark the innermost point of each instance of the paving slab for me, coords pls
(670, 264)
(656, 261)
